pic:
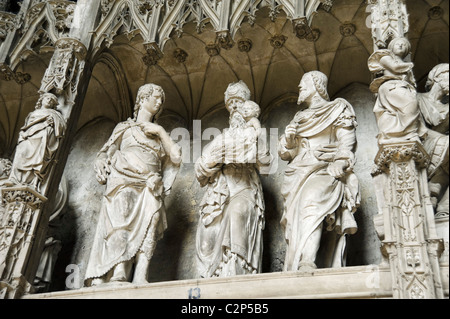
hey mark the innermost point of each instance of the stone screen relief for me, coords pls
(305, 142)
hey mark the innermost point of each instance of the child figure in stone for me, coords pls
(250, 113)
(241, 146)
(396, 108)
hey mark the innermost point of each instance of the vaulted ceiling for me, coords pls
(195, 80)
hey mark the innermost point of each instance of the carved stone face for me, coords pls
(307, 89)
(47, 102)
(234, 103)
(249, 110)
(152, 103)
(401, 48)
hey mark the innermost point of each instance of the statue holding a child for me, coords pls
(229, 235)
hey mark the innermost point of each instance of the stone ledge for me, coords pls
(359, 282)
(351, 282)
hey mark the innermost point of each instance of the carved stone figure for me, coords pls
(320, 190)
(435, 114)
(38, 142)
(138, 164)
(396, 109)
(53, 244)
(229, 234)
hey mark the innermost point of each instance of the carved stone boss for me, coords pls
(409, 239)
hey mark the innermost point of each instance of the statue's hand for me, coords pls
(215, 157)
(337, 168)
(152, 129)
(102, 170)
(290, 134)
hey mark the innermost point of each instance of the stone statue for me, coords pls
(320, 190)
(229, 234)
(138, 164)
(436, 116)
(38, 142)
(53, 244)
(396, 109)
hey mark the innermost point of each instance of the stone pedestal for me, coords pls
(405, 223)
(18, 225)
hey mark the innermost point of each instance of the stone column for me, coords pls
(408, 232)
(25, 219)
(405, 222)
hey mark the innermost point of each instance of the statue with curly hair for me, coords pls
(138, 164)
(230, 230)
(320, 190)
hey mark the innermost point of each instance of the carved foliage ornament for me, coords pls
(7, 74)
(399, 153)
(7, 24)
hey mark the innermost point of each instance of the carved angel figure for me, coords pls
(138, 164)
(320, 190)
(229, 234)
(38, 142)
(396, 109)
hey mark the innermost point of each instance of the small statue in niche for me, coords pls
(396, 109)
(38, 142)
(53, 244)
(320, 190)
(435, 114)
(138, 164)
(229, 235)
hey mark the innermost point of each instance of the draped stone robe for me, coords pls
(311, 195)
(141, 175)
(229, 234)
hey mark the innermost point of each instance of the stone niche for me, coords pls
(174, 258)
